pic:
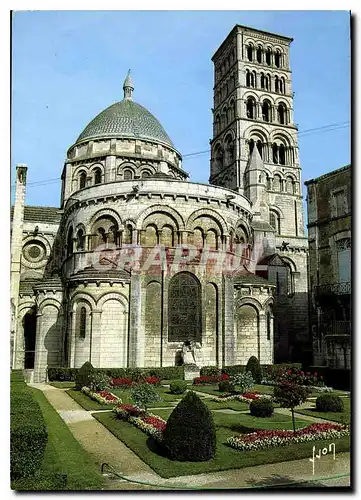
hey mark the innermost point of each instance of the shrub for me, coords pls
(144, 394)
(190, 434)
(254, 367)
(28, 434)
(178, 386)
(134, 373)
(225, 386)
(62, 374)
(54, 481)
(98, 381)
(82, 378)
(329, 402)
(244, 381)
(262, 407)
(167, 372)
(210, 371)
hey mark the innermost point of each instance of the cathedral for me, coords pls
(139, 260)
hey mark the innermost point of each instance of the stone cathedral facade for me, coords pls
(138, 259)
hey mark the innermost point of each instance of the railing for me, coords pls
(333, 289)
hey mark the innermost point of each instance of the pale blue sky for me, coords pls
(67, 66)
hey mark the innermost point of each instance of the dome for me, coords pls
(125, 119)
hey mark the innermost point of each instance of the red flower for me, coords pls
(321, 377)
(225, 376)
(155, 422)
(153, 380)
(118, 382)
(289, 372)
(315, 374)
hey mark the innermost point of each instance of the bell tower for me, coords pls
(253, 108)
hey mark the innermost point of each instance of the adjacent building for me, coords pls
(329, 235)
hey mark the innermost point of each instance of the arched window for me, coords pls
(275, 153)
(251, 145)
(198, 237)
(277, 182)
(145, 174)
(231, 110)
(262, 81)
(274, 221)
(184, 308)
(82, 322)
(97, 176)
(268, 57)
(224, 117)
(251, 108)
(128, 175)
(282, 85)
(248, 78)
(278, 59)
(211, 239)
(290, 185)
(268, 181)
(259, 54)
(80, 240)
(254, 79)
(128, 234)
(260, 148)
(250, 52)
(219, 157)
(282, 114)
(277, 87)
(282, 154)
(82, 180)
(70, 242)
(234, 105)
(229, 147)
(150, 236)
(266, 111)
(167, 236)
(268, 82)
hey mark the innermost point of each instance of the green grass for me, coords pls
(341, 417)
(63, 453)
(226, 458)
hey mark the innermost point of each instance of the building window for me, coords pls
(82, 323)
(250, 52)
(268, 57)
(184, 308)
(70, 242)
(269, 321)
(274, 220)
(251, 108)
(277, 58)
(97, 176)
(344, 260)
(82, 180)
(259, 54)
(339, 202)
(80, 240)
(128, 175)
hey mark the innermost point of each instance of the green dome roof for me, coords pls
(125, 119)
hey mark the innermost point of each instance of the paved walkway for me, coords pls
(105, 447)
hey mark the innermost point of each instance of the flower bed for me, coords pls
(152, 380)
(151, 424)
(245, 397)
(102, 397)
(299, 377)
(263, 439)
(210, 379)
(122, 382)
(314, 388)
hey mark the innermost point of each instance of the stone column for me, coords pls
(72, 339)
(16, 247)
(95, 339)
(110, 169)
(39, 347)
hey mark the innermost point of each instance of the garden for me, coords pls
(174, 426)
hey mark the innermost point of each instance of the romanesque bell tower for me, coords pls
(254, 151)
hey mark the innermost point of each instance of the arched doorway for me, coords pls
(184, 308)
(29, 325)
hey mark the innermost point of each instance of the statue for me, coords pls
(189, 355)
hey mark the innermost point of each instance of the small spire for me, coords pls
(128, 86)
(255, 161)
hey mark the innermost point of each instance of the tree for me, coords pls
(144, 394)
(290, 395)
(254, 367)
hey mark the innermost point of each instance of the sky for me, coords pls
(67, 66)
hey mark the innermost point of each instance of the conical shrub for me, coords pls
(254, 367)
(190, 434)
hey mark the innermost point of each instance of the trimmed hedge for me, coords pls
(261, 408)
(190, 434)
(28, 434)
(233, 369)
(65, 374)
(254, 367)
(84, 375)
(225, 386)
(210, 371)
(329, 402)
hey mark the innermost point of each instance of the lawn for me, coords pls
(342, 417)
(62, 385)
(63, 453)
(226, 458)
